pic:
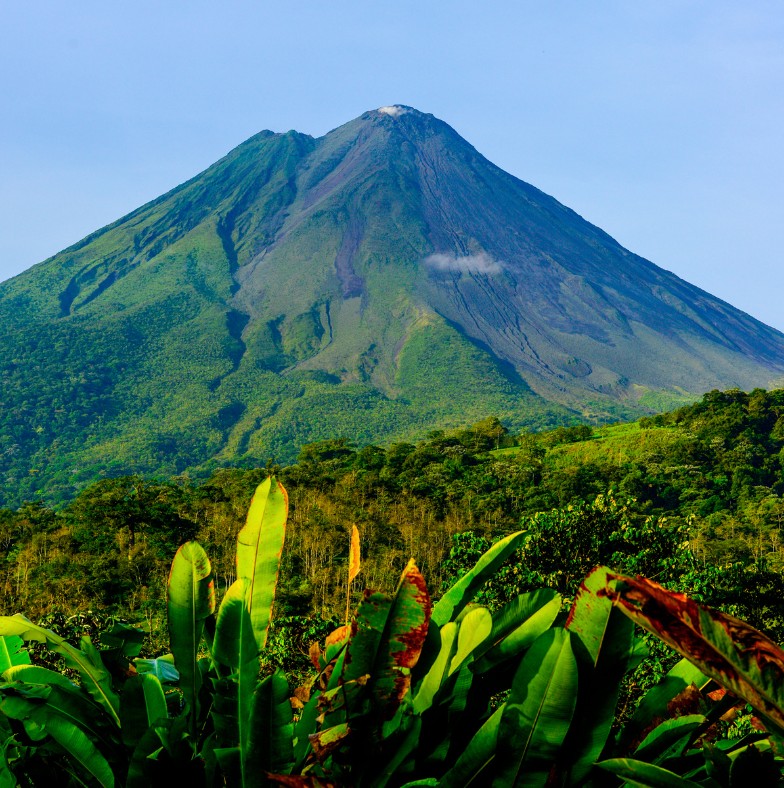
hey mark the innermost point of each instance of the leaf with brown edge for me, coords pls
(324, 742)
(401, 641)
(733, 653)
(337, 636)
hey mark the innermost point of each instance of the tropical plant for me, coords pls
(409, 692)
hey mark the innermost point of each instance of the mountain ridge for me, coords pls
(300, 288)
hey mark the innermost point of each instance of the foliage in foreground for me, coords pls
(407, 693)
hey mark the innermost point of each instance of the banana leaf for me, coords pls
(165, 756)
(234, 650)
(79, 748)
(270, 744)
(95, 678)
(473, 766)
(328, 740)
(652, 709)
(12, 652)
(475, 628)
(49, 711)
(669, 739)
(538, 712)
(305, 725)
(603, 643)
(143, 704)
(401, 641)
(733, 653)
(517, 625)
(259, 548)
(645, 775)
(434, 678)
(38, 698)
(35, 674)
(463, 591)
(191, 600)
(7, 779)
(401, 746)
(369, 627)
(160, 667)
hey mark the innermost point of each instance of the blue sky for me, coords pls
(659, 121)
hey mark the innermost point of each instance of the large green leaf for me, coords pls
(475, 629)
(7, 779)
(12, 652)
(538, 712)
(50, 711)
(259, 548)
(35, 674)
(473, 766)
(367, 632)
(645, 775)
(270, 746)
(234, 649)
(734, 654)
(143, 704)
(603, 642)
(95, 678)
(439, 671)
(165, 757)
(79, 747)
(191, 601)
(517, 625)
(304, 726)
(462, 592)
(397, 752)
(160, 667)
(34, 696)
(234, 644)
(669, 739)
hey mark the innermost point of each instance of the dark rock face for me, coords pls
(377, 282)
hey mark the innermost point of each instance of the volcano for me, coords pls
(377, 283)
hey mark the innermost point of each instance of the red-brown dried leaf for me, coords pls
(315, 655)
(406, 631)
(731, 652)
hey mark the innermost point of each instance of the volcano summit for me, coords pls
(377, 282)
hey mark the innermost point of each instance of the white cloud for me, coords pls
(481, 263)
(395, 110)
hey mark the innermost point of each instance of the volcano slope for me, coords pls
(377, 283)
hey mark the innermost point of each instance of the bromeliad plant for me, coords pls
(407, 693)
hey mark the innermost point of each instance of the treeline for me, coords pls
(692, 497)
